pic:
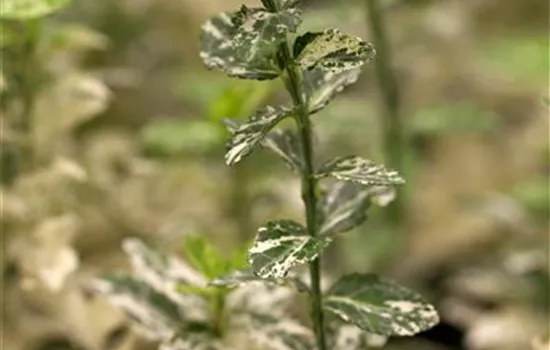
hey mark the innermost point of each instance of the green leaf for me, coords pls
(204, 256)
(331, 50)
(243, 44)
(281, 4)
(29, 9)
(154, 314)
(320, 85)
(281, 245)
(379, 306)
(275, 333)
(251, 133)
(176, 137)
(286, 145)
(363, 171)
(342, 208)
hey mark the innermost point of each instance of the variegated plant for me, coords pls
(261, 43)
(171, 301)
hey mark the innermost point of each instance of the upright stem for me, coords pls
(309, 184)
(392, 123)
(27, 82)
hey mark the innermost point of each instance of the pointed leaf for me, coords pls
(285, 144)
(260, 32)
(204, 256)
(380, 307)
(321, 85)
(363, 171)
(275, 333)
(243, 44)
(331, 50)
(240, 278)
(281, 245)
(154, 314)
(251, 133)
(342, 208)
(28, 9)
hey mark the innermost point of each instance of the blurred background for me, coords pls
(111, 128)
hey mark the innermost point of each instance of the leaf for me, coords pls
(165, 274)
(281, 4)
(342, 208)
(243, 277)
(260, 32)
(176, 137)
(320, 86)
(243, 44)
(275, 333)
(249, 134)
(331, 50)
(193, 341)
(363, 171)
(286, 145)
(29, 9)
(204, 256)
(380, 307)
(350, 337)
(156, 315)
(281, 245)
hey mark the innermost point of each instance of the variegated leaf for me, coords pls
(152, 312)
(350, 337)
(281, 245)
(243, 44)
(379, 306)
(240, 278)
(165, 274)
(28, 9)
(193, 341)
(342, 208)
(251, 133)
(275, 333)
(217, 51)
(280, 4)
(285, 144)
(331, 50)
(260, 32)
(320, 86)
(363, 171)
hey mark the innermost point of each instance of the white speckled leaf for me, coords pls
(281, 245)
(246, 136)
(28, 9)
(275, 332)
(320, 86)
(165, 274)
(153, 313)
(244, 44)
(194, 341)
(363, 171)
(331, 50)
(380, 307)
(350, 337)
(286, 145)
(342, 208)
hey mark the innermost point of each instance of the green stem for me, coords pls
(218, 306)
(293, 83)
(27, 84)
(392, 123)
